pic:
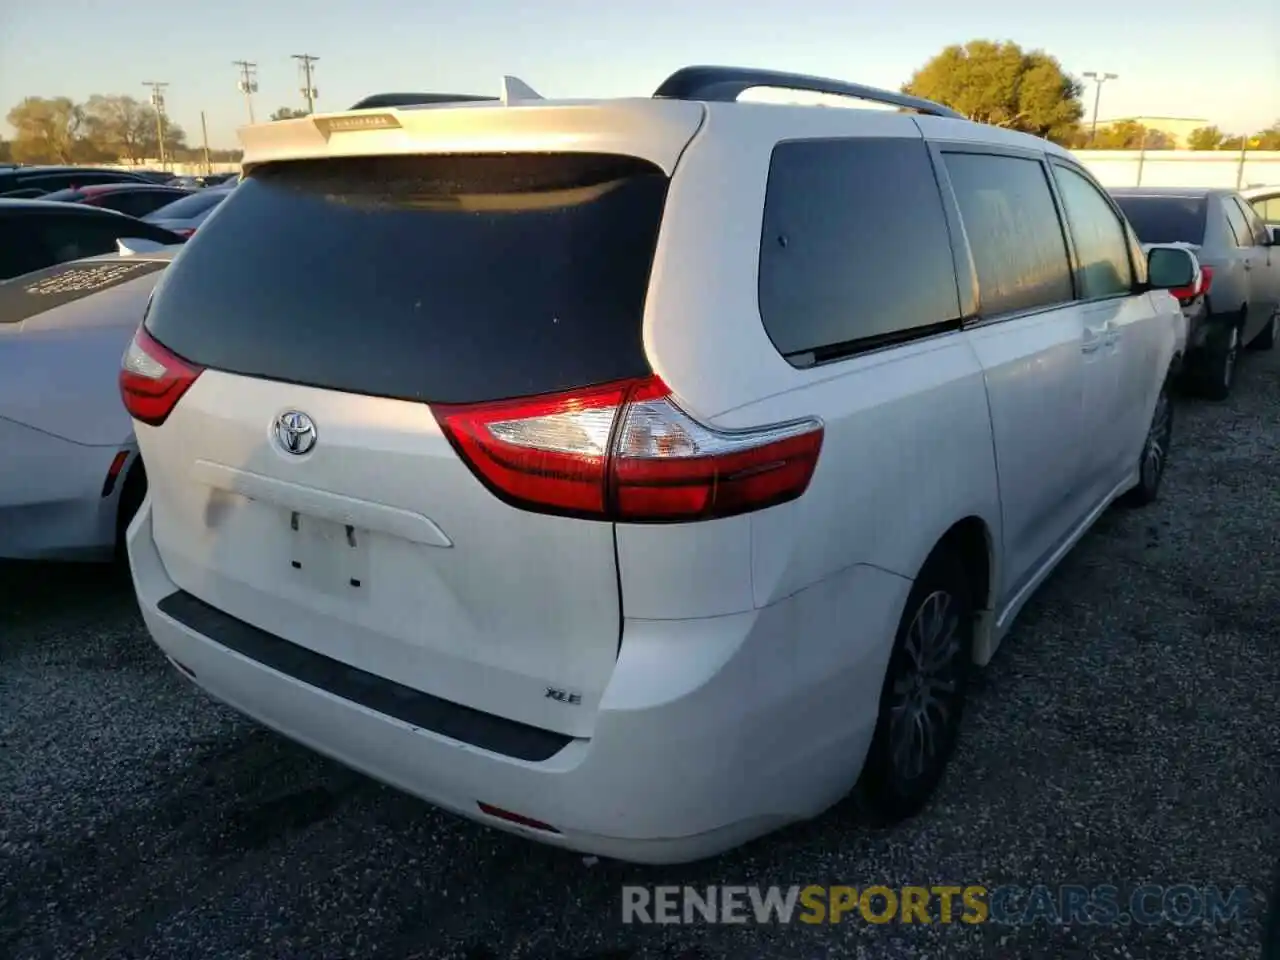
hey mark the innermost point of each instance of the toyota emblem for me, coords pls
(295, 433)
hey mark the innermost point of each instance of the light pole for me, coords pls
(1099, 79)
(248, 83)
(157, 101)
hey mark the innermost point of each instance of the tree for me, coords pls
(1001, 84)
(1131, 135)
(6, 151)
(288, 113)
(1231, 143)
(120, 125)
(1268, 139)
(48, 130)
(1205, 138)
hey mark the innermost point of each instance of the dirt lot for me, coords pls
(1126, 733)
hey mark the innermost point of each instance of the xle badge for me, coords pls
(564, 696)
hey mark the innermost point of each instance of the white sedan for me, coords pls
(70, 475)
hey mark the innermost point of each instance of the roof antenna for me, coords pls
(514, 89)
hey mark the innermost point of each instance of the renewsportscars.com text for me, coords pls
(1067, 904)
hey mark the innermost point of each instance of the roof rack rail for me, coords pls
(726, 84)
(415, 99)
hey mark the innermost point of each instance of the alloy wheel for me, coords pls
(923, 695)
(1156, 450)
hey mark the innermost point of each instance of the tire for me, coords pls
(1267, 338)
(901, 773)
(1221, 361)
(131, 497)
(1155, 451)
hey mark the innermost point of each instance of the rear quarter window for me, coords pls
(855, 250)
(448, 279)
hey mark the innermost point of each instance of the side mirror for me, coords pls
(1171, 268)
(1274, 234)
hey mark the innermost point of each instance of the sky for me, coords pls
(1174, 58)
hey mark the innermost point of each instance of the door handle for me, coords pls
(1091, 342)
(1248, 264)
(1111, 336)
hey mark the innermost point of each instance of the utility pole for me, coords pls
(248, 83)
(204, 139)
(157, 101)
(1099, 79)
(309, 92)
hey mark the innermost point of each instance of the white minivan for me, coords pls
(637, 475)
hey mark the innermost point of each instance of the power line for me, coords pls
(248, 82)
(309, 92)
(157, 101)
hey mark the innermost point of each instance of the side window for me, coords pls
(1257, 228)
(1099, 237)
(855, 247)
(1014, 232)
(1236, 221)
(134, 203)
(1268, 208)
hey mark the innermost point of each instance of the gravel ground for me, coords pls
(1125, 734)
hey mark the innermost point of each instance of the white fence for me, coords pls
(1183, 168)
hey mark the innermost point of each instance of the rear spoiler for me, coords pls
(513, 90)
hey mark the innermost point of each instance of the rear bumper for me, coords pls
(710, 733)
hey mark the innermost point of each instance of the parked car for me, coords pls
(199, 181)
(35, 234)
(677, 492)
(184, 215)
(1265, 202)
(135, 199)
(1241, 264)
(29, 182)
(72, 478)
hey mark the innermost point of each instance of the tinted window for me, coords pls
(22, 248)
(1236, 221)
(444, 278)
(855, 246)
(1165, 219)
(1099, 237)
(136, 203)
(189, 206)
(1014, 232)
(72, 237)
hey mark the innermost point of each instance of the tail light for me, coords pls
(626, 452)
(152, 379)
(1187, 294)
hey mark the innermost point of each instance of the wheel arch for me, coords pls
(973, 541)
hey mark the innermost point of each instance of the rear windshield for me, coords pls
(1165, 219)
(188, 206)
(448, 279)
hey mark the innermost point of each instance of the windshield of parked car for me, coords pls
(1165, 219)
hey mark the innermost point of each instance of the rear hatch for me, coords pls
(303, 483)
